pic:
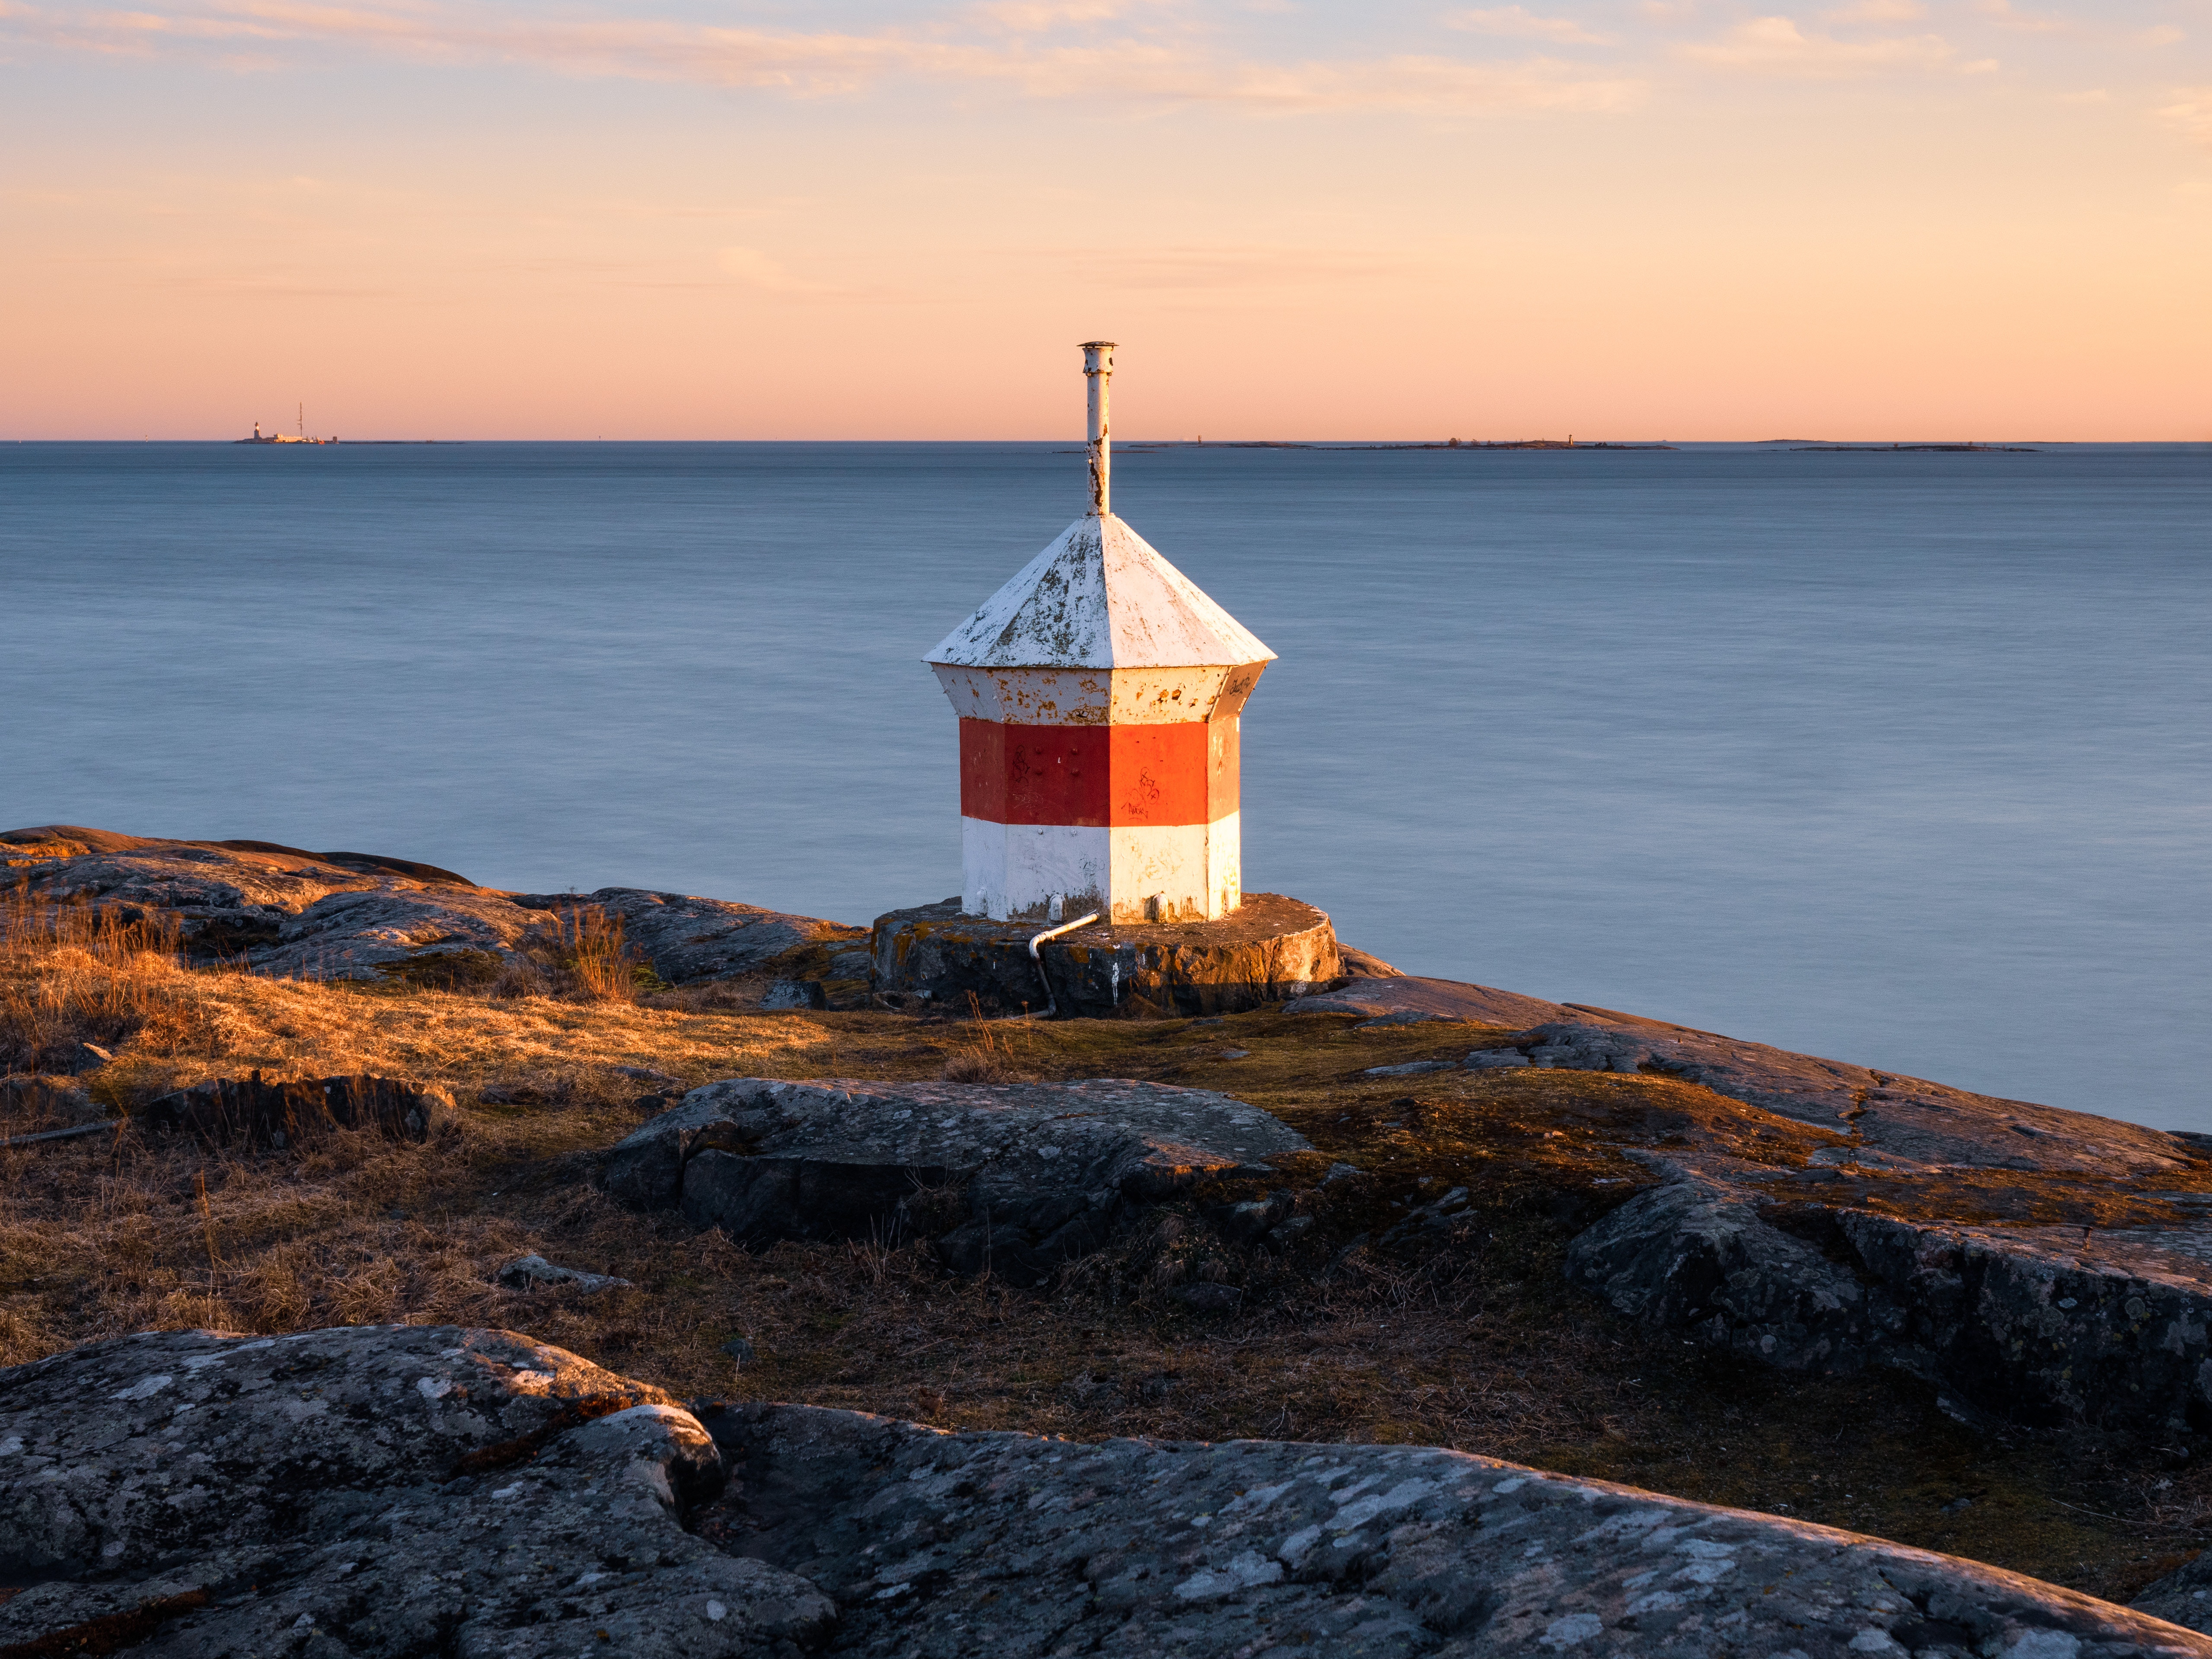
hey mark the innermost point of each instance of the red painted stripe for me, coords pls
(1180, 773)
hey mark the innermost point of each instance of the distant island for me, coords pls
(261, 437)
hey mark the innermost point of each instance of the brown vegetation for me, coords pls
(1471, 1339)
(74, 974)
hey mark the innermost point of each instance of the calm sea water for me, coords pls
(1897, 757)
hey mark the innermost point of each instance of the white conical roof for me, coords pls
(1099, 597)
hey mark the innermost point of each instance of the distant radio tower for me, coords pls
(303, 420)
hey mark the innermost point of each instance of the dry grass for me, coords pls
(1475, 1343)
(592, 948)
(991, 1050)
(73, 974)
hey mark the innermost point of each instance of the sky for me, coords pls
(1670, 219)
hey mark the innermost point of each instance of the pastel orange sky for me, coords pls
(1692, 220)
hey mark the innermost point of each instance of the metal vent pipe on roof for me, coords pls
(1097, 370)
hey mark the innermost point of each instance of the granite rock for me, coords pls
(2035, 1264)
(1017, 1177)
(1890, 1243)
(354, 915)
(937, 1546)
(529, 1272)
(2048, 1325)
(372, 1492)
(385, 1492)
(1398, 994)
(688, 939)
(791, 994)
(2183, 1597)
(1903, 1122)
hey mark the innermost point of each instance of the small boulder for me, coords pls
(796, 994)
(279, 1113)
(1016, 1177)
(528, 1272)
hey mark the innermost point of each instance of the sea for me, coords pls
(1898, 756)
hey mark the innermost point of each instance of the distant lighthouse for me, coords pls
(1099, 695)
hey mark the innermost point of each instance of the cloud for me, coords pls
(2163, 35)
(1777, 46)
(824, 64)
(1519, 23)
(1231, 268)
(2002, 11)
(1980, 66)
(1435, 84)
(2093, 95)
(2191, 114)
(1042, 17)
(756, 269)
(1878, 11)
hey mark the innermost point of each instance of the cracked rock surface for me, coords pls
(408, 1491)
(1020, 1177)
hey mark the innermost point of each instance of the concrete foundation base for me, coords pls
(1272, 948)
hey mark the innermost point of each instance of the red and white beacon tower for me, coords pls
(1099, 693)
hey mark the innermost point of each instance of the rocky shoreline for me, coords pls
(2041, 1270)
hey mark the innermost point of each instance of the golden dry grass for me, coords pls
(1482, 1346)
(70, 975)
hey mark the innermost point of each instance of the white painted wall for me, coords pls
(1014, 870)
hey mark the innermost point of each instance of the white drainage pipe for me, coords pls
(1050, 1001)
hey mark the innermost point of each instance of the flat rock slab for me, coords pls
(1273, 948)
(354, 915)
(1418, 999)
(384, 1492)
(939, 1546)
(1017, 1177)
(1897, 1121)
